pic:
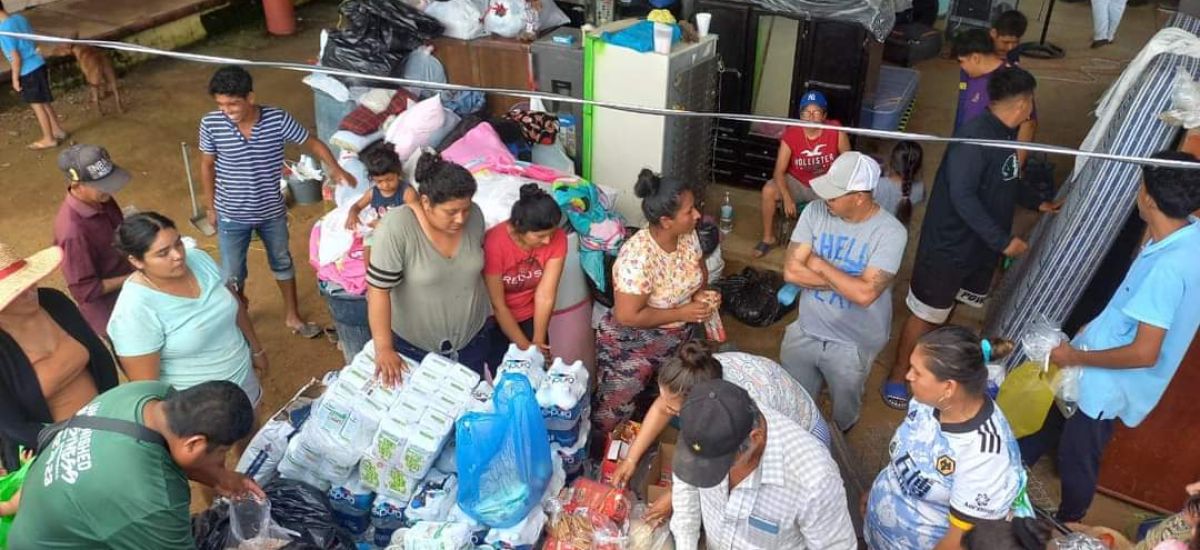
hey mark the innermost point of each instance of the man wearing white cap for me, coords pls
(844, 254)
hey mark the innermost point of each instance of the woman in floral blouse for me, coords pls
(657, 278)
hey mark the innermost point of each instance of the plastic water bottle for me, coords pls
(566, 133)
(387, 515)
(726, 220)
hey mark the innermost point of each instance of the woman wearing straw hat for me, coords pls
(51, 362)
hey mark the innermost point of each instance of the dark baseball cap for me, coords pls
(714, 420)
(91, 165)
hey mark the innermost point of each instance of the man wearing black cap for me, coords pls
(84, 228)
(764, 482)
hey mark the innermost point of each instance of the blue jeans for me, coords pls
(349, 313)
(1081, 442)
(477, 354)
(233, 239)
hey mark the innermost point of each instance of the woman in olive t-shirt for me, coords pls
(426, 289)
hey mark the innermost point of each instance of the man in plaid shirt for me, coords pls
(764, 482)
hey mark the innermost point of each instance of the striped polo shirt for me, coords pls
(249, 170)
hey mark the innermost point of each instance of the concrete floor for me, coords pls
(1068, 89)
(166, 99)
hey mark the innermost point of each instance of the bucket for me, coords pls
(281, 17)
(305, 191)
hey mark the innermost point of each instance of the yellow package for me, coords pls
(1026, 396)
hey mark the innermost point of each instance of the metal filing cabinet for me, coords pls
(618, 144)
(558, 69)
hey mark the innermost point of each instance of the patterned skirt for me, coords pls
(627, 360)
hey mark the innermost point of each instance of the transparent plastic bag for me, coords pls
(503, 457)
(1066, 390)
(645, 536)
(1040, 338)
(251, 526)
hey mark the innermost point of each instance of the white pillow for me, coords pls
(417, 126)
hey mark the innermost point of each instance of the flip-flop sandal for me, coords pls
(308, 330)
(895, 395)
(331, 335)
(63, 136)
(762, 249)
(38, 147)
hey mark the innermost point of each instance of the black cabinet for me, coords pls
(842, 61)
(737, 26)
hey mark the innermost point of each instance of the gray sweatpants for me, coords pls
(815, 362)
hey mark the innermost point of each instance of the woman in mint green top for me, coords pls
(175, 319)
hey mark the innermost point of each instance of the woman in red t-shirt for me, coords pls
(523, 261)
(804, 153)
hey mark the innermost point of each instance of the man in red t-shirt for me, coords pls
(804, 153)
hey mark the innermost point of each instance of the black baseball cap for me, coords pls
(714, 420)
(91, 165)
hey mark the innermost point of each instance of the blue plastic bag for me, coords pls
(503, 457)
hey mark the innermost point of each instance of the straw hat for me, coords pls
(17, 274)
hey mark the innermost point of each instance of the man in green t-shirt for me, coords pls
(95, 489)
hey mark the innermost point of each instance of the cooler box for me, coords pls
(886, 109)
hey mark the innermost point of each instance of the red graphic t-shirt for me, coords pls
(520, 270)
(811, 157)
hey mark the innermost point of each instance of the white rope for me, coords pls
(882, 134)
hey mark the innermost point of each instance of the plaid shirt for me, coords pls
(794, 499)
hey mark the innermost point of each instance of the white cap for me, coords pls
(850, 172)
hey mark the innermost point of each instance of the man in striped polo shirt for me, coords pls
(243, 145)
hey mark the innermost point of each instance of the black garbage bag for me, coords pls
(1039, 176)
(710, 236)
(750, 297)
(210, 528)
(377, 37)
(302, 508)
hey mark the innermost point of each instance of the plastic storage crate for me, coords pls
(895, 93)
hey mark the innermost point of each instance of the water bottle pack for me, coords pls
(529, 362)
(387, 515)
(351, 504)
(562, 395)
(574, 455)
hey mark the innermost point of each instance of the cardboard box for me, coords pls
(666, 452)
(616, 448)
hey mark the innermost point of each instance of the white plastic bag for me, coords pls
(1185, 102)
(505, 17)
(462, 19)
(262, 456)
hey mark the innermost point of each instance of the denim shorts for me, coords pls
(233, 238)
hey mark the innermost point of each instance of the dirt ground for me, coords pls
(167, 98)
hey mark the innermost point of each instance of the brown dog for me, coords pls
(97, 69)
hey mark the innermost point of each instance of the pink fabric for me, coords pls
(350, 272)
(571, 334)
(482, 149)
(481, 144)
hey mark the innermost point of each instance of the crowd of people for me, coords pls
(753, 468)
